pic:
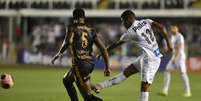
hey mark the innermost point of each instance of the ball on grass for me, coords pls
(7, 81)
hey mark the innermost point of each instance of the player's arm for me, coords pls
(115, 45)
(164, 33)
(105, 55)
(64, 45)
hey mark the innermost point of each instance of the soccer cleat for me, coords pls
(163, 93)
(187, 94)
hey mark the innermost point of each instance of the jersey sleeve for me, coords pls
(126, 36)
(149, 21)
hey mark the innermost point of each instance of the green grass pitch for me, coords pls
(39, 83)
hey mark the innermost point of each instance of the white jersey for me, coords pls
(142, 35)
(176, 40)
(180, 62)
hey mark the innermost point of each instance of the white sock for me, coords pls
(167, 77)
(113, 81)
(186, 82)
(144, 96)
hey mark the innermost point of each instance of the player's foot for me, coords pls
(97, 88)
(187, 94)
(163, 93)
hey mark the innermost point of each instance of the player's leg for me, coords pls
(167, 78)
(83, 70)
(86, 92)
(68, 83)
(130, 70)
(144, 94)
(184, 76)
(149, 67)
(166, 84)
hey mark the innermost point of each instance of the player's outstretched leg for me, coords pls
(68, 83)
(185, 79)
(130, 70)
(144, 94)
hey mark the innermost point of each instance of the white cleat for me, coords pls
(187, 94)
(163, 93)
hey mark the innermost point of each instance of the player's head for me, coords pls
(127, 18)
(78, 15)
(174, 29)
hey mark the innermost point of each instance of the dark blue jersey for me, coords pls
(82, 41)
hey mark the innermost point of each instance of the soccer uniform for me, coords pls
(141, 34)
(81, 43)
(179, 64)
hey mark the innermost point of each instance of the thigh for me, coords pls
(149, 68)
(130, 70)
(181, 65)
(170, 66)
(138, 63)
(83, 70)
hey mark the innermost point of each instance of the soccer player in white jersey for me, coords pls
(177, 62)
(141, 34)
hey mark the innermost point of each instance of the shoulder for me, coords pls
(91, 29)
(180, 36)
(150, 21)
(70, 27)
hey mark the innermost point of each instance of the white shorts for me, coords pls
(179, 64)
(147, 66)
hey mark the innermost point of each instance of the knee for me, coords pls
(145, 86)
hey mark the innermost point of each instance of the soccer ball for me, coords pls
(7, 81)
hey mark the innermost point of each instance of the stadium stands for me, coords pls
(95, 4)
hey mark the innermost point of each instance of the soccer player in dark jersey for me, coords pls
(79, 39)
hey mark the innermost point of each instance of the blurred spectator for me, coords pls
(37, 33)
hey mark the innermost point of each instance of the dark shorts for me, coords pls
(83, 69)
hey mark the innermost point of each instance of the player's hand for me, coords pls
(54, 58)
(107, 72)
(168, 51)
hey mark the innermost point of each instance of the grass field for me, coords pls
(39, 83)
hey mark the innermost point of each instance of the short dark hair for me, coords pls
(78, 13)
(128, 13)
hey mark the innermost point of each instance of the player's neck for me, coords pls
(80, 20)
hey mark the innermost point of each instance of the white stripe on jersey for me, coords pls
(142, 35)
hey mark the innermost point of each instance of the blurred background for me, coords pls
(31, 31)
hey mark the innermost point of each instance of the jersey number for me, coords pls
(84, 40)
(148, 36)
